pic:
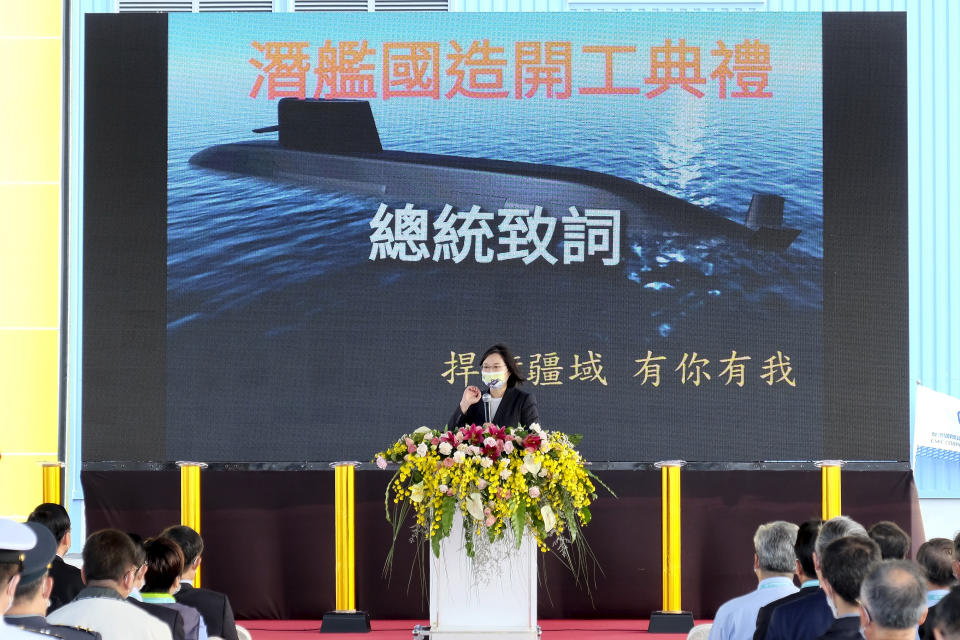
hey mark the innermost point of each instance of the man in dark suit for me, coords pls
(806, 573)
(67, 582)
(945, 622)
(212, 605)
(29, 608)
(894, 542)
(936, 560)
(808, 617)
(845, 564)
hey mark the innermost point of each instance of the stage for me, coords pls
(397, 629)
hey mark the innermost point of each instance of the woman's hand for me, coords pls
(471, 396)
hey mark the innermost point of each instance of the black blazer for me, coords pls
(67, 583)
(766, 611)
(213, 606)
(517, 407)
(805, 618)
(843, 629)
(170, 617)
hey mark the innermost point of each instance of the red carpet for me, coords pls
(403, 629)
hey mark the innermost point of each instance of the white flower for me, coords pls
(489, 441)
(422, 450)
(445, 448)
(474, 450)
(475, 506)
(508, 447)
(535, 427)
(416, 492)
(486, 462)
(531, 465)
(462, 447)
(381, 462)
(543, 473)
(459, 457)
(422, 431)
(545, 445)
(442, 488)
(506, 473)
(482, 484)
(549, 518)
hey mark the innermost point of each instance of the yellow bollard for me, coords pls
(52, 482)
(190, 499)
(830, 488)
(672, 619)
(346, 618)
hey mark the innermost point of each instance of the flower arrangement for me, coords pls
(503, 480)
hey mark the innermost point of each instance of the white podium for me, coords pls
(497, 601)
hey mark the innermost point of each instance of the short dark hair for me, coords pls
(935, 557)
(956, 547)
(187, 539)
(7, 571)
(947, 615)
(140, 554)
(806, 539)
(894, 542)
(164, 564)
(108, 554)
(26, 591)
(894, 594)
(845, 563)
(53, 517)
(504, 352)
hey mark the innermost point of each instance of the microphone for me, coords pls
(485, 398)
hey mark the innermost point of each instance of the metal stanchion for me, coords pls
(830, 488)
(190, 499)
(52, 481)
(672, 619)
(346, 618)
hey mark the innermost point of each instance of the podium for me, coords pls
(495, 598)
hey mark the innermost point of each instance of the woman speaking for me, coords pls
(509, 406)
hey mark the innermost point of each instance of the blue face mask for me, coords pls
(494, 379)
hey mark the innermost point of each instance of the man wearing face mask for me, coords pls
(33, 593)
(509, 406)
(845, 563)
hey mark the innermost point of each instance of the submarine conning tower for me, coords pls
(326, 125)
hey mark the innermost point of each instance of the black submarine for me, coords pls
(335, 145)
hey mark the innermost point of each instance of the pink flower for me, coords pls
(434, 440)
(508, 447)
(450, 492)
(531, 442)
(408, 441)
(534, 492)
(482, 484)
(381, 462)
(411, 447)
(490, 521)
(448, 462)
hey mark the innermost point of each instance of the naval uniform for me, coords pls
(39, 624)
(104, 610)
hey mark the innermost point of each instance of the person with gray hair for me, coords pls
(893, 601)
(773, 563)
(809, 617)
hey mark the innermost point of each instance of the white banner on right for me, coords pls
(936, 444)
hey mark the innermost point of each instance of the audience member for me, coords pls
(845, 563)
(212, 605)
(30, 600)
(936, 557)
(956, 557)
(164, 566)
(806, 574)
(893, 601)
(773, 564)
(15, 540)
(894, 542)
(946, 620)
(109, 570)
(170, 617)
(67, 582)
(810, 616)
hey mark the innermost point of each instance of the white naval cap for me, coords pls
(15, 540)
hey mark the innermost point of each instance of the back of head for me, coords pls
(108, 554)
(774, 543)
(189, 541)
(53, 517)
(806, 539)
(894, 595)
(935, 557)
(845, 563)
(894, 542)
(947, 620)
(164, 564)
(838, 527)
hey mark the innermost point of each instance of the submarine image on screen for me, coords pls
(334, 144)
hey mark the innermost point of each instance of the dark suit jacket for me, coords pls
(925, 631)
(170, 617)
(843, 629)
(766, 611)
(517, 407)
(39, 623)
(803, 619)
(67, 583)
(213, 606)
